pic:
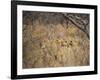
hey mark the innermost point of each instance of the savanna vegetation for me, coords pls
(55, 39)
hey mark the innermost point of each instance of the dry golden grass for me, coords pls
(54, 45)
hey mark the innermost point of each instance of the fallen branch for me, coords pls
(79, 22)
